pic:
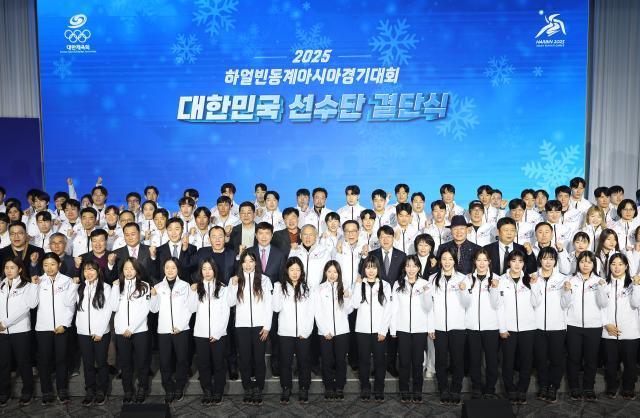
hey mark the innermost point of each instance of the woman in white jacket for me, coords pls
(17, 296)
(586, 298)
(172, 303)
(411, 303)
(372, 299)
(56, 306)
(93, 314)
(293, 303)
(621, 332)
(250, 292)
(131, 301)
(209, 302)
(332, 306)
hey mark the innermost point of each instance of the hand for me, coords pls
(504, 335)
(612, 330)
(259, 212)
(70, 232)
(234, 280)
(559, 246)
(111, 259)
(77, 261)
(192, 231)
(432, 335)
(115, 283)
(76, 280)
(153, 292)
(365, 250)
(527, 247)
(2, 327)
(636, 280)
(96, 338)
(637, 246)
(359, 279)
(127, 333)
(241, 248)
(264, 334)
(533, 279)
(503, 203)
(567, 286)
(381, 338)
(212, 340)
(70, 181)
(59, 330)
(396, 235)
(121, 208)
(346, 293)
(434, 262)
(462, 286)
(194, 287)
(35, 279)
(185, 243)
(147, 234)
(152, 251)
(34, 258)
(294, 246)
(175, 331)
(601, 282)
(99, 181)
(111, 232)
(228, 229)
(328, 336)
(495, 283)
(339, 247)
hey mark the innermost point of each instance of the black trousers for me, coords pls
(94, 356)
(334, 361)
(369, 345)
(52, 348)
(411, 349)
(353, 339)
(133, 354)
(251, 356)
(550, 357)
(274, 342)
(18, 345)
(518, 345)
(230, 347)
(616, 351)
(301, 348)
(211, 362)
(73, 349)
(449, 345)
(582, 349)
(171, 345)
(488, 343)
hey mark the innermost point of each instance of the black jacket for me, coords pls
(395, 265)
(275, 262)
(144, 258)
(235, 238)
(530, 263)
(464, 254)
(282, 240)
(184, 262)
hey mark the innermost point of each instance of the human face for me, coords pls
(71, 212)
(404, 218)
(603, 201)
(147, 211)
(485, 198)
(402, 195)
(18, 236)
(333, 225)
(11, 270)
(264, 237)
(260, 194)
(186, 210)
(247, 215)
(618, 268)
(386, 241)
(90, 274)
(294, 273)
(379, 203)
(202, 221)
(291, 221)
(319, 199)
(517, 213)
(516, 264)
(128, 270)
(58, 245)
(447, 197)
(368, 222)
(586, 266)
(216, 236)
(351, 233)
(507, 234)
(170, 270)
(529, 200)
(43, 226)
(547, 263)
(578, 192)
(564, 199)
(581, 245)
(228, 192)
(371, 272)
(627, 212)
(541, 200)
(595, 219)
(223, 209)
(248, 264)
(133, 203)
(125, 218)
(482, 264)
(50, 267)
(417, 204)
(543, 235)
(59, 201)
(39, 205)
(111, 217)
(309, 236)
(438, 214)
(160, 220)
(476, 215)
(446, 262)
(610, 243)
(99, 244)
(616, 198)
(88, 221)
(271, 203)
(332, 274)
(424, 249)
(174, 231)
(412, 269)
(131, 236)
(207, 272)
(496, 200)
(98, 198)
(553, 216)
(352, 199)
(459, 233)
(151, 195)
(303, 201)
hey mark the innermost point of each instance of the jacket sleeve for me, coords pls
(71, 295)
(223, 315)
(154, 304)
(566, 299)
(395, 306)
(106, 313)
(317, 311)
(114, 298)
(142, 316)
(232, 294)
(276, 300)
(537, 291)
(465, 295)
(564, 264)
(357, 295)
(267, 287)
(602, 296)
(386, 312)
(21, 310)
(635, 296)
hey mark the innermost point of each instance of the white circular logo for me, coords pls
(77, 21)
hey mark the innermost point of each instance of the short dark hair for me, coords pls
(404, 207)
(353, 189)
(131, 224)
(420, 195)
(272, 193)
(577, 181)
(367, 212)
(378, 192)
(543, 191)
(401, 186)
(45, 215)
(554, 205)
(175, 220)
(154, 188)
(288, 211)
(99, 233)
(71, 202)
(260, 186)
(192, 193)
(331, 216)
(265, 226)
(386, 229)
(599, 191)
(229, 186)
(447, 188)
(247, 204)
(438, 204)
(484, 188)
(320, 190)
(517, 203)
(186, 201)
(202, 209)
(303, 192)
(100, 188)
(563, 189)
(58, 195)
(89, 210)
(505, 221)
(133, 194)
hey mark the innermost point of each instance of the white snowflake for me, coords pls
(215, 15)
(311, 39)
(249, 41)
(393, 42)
(306, 6)
(460, 117)
(62, 68)
(537, 71)
(132, 12)
(499, 71)
(553, 167)
(186, 49)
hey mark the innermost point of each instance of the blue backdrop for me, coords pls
(113, 73)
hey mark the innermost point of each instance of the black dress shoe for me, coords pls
(590, 395)
(168, 397)
(248, 396)
(233, 373)
(217, 399)
(207, 398)
(257, 397)
(25, 399)
(316, 370)
(303, 396)
(285, 396)
(141, 395)
(365, 396)
(100, 398)
(417, 398)
(522, 398)
(339, 395)
(405, 397)
(445, 398)
(275, 372)
(127, 398)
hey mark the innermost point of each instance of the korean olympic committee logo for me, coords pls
(74, 34)
(554, 26)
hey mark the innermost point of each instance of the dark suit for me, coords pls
(464, 253)
(235, 239)
(275, 262)
(207, 252)
(68, 266)
(282, 240)
(530, 263)
(144, 258)
(184, 261)
(395, 265)
(7, 254)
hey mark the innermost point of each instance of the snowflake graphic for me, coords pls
(499, 71)
(215, 15)
(85, 127)
(306, 6)
(311, 39)
(186, 49)
(249, 41)
(131, 12)
(553, 167)
(393, 42)
(537, 71)
(460, 117)
(61, 68)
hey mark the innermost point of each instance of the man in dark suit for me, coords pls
(499, 251)
(291, 234)
(271, 261)
(135, 249)
(391, 263)
(177, 247)
(58, 243)
(20, 247)
(224, 258)
(99, 254)
(460, 246)
(244, 235)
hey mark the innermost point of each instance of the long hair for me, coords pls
(453, 253)
(526, 280)
(301, 289)
(372, 261)
(22, 271)
(627, 273)
(606, 233)
(485, 252)
(257, 280)
(427, 239)
(591, 256)
(401, 281)
(547, 252)
(141, 287)
(340, 285)
(98, 297)
(200, 279)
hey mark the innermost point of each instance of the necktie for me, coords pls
(134, 253)
(175, 251)
(505, 261)
(263, 259)
(387, 263)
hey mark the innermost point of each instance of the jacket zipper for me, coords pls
(209, 306)
(371, 308)
(616, 309)
(333, 310)
(545, 304)
(89, 309)
(583, 282)
(515, 292)
(250, 301)
(410, 300)
(446, 316)
(171, 306)
(53, 304)
(295, 305)
(479, 295)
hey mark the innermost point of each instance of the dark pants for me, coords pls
(231, 351)
(550, 355)
(392, 350)
(449, 345)
(52, 348)
(520, 345)
(487, 343)
(274, 340)
(73, 350)
(301, 347)
(18, 345)
(411, 349)
(251, 356)
(615, 352)
(582, 348)
(368, 345)
(134, 352)
(353, 339)
(334, 361)
(94, 356)
(171, 345)
(211, 361)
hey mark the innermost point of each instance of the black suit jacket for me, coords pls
(184, 262)
(229, 263)
(275, 262)
(68, 267)
(144, 258)
(465, 254)
(235, 239)
(395, 266)
(530, 262)
(282, 240)
(7, 254)
(109, 276)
